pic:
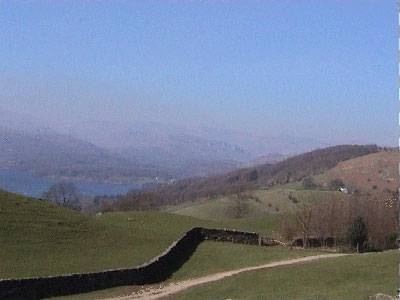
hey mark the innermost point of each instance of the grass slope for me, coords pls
(351, 277)
(378, 169)
(261, 202)
(40, 238)
(209, 258)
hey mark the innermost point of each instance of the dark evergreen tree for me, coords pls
(357, 234)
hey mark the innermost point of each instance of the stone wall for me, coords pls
(156, 270)
(234, 236)
(314, 242)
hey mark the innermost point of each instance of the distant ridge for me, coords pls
(266, 159)
(291, 169)
(51, 154)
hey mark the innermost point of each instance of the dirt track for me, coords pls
(173, 288)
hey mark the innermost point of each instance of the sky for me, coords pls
(320, 69)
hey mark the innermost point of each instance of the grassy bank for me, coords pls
(40, 238)
(209, 258)
(351, 277)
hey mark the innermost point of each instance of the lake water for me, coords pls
(24, 183)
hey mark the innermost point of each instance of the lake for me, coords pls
(24, 183)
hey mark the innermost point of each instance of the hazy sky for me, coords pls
(321, 69)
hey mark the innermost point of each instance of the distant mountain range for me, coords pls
(163, 140)
(125, 152)
(64, 156)
(266, 159)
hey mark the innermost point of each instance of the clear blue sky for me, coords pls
(322, 69)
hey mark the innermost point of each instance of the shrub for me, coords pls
(391, 240)
(233, 179)
(335, 184)
(252, 176)
(294, 199)
(308, 183)
(133, 201)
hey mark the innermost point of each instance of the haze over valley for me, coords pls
(125, 153)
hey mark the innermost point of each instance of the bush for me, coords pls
(308, 183)
(391, 240)
(335, 184)
(294, 199)
(252, 176)
(233, 179)
(133, 201)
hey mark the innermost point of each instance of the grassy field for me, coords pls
(351, 277)
(40, 238)
(209, 258)
(261, 202)
(372, 173)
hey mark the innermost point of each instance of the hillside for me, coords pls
(126, 151)
(351, 277)
(158, 142)
(266, 159)
(172, 148)
(261, 203)
(51, 154)
(369, 174)
(41, 238)
(377, 171)
(290, 170)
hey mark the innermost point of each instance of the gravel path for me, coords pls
(173, 288)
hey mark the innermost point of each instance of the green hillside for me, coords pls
(43, 239)
(352, 277)
(209, 258)
(246, 179)
(272, 202)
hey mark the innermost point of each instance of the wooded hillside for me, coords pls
(289, 170)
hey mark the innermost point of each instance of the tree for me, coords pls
(358, 234)
(335, 184)
(240, 208)
(252, 176)
(303, 215)
(134, 200)
(63, 193)
(308, 183)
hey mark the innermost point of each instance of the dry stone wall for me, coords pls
(234, 236)
(156, 270)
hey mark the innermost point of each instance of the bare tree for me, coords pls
(333, 218)
(239, 208)
(303, 215)
(63, 193)
(132, 201)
